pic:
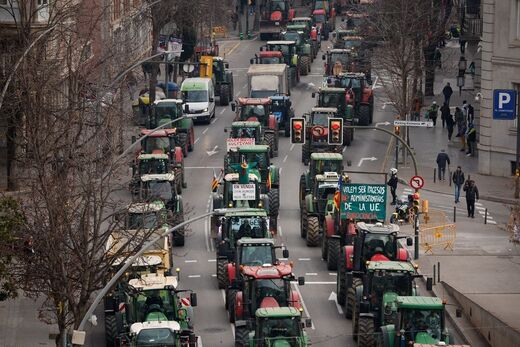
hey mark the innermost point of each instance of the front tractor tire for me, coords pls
(313, 231)
(274, 203)
(222, 273)
(225, 94)
(305, 65)
(333, 250)
(366, 332)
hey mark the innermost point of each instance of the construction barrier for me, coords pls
(432, 236)
(220, 31)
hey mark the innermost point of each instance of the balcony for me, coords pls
(470, 20)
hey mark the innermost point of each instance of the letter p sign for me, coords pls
(504, 104)
(503, 99)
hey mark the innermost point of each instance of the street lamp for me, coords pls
(462, 72)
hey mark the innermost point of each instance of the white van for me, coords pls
(198, 95)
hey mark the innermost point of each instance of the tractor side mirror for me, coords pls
(323, 57)
(226, 65)
(225, 130)
(233, 106)
(409, 241)
(313, 95)
(193, 299)
(186, 108)
(285, 253)
(211, 99)
(308, 323)
(301, 281)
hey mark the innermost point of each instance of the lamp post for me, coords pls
(462, 72)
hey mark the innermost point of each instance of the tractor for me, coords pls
(337, 97)
(318, 204)
(250, 130)
(268, 57)
(323, 23)
(259, 110)
(419, 320)
(311, 32)
(291, 58)
(375, 298)
(168, 110)
(164, 142)
(361, 55)
(337, 61)
(339, 35)
(282, 110)
(275, 15)
(279, 326)
(304, 46)
(148, 164)
(317, 131)
(372, 242)
(264, 286)
(232, 227)
(319, 163)
(222, 80)
(359, 94)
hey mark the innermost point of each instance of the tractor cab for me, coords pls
(301, 23)
(246, 129)
(160, 334)
(352, 42)
(144, 215)
(255, 252)
(253, 110)
(288, 49)
(325, 162)
(355, 20)
(164, 111)
(338, 37)
(237, 225)
(268, 57)
(325, 186)
(337, 61)
(279, 325)
(161, 188)
(256, 155)
(295, 33)
(319, 117)
(282, 110)
(151, 164)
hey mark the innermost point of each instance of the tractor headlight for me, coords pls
(205, 110)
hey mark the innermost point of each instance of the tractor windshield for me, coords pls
(328, 166)
(147, 220)
(160, 337)
(195, 96)
(331, 99)
(352, 43)
(247, 227)
(249, 132)
(170, 111)
(271, 288)
(353, 83)
(341, 57)
(156, 144)
(158, 190)
(292, 36)
(384, 244)
(277, 6)
(319, 18)
(285, 49)
(252, 111)
(257, 255)
(281, 328)
(260, 158)
(148, 167)
(271, 60)
(154, 304)
(421, 321)
(389, 281)
(320, 119)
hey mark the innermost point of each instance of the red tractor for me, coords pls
(275, 15)
(268, 57)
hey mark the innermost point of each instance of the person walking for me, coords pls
(445, 112)
(462, 43)
(471, 196)
(392, 183)
(459, 119)
(442, 160)
(458, 180)
(234, 19)
(471, 113)
(447, 92)
(450, 123)
(471, 139)
(432, 113)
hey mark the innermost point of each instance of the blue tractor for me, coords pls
(281, 108)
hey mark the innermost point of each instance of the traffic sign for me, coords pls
(504, 104)
(413, 123)
(363, 201)
(416, 182)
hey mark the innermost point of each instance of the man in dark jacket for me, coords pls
(445, 112)
(458, 180)
(442, 160)
(447, 91)
(392, 183)
(471, 196)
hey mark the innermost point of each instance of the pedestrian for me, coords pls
(462, 43)
(471, 139)
(416, 108)
(458, 181)
(459, 120)
(450, 123)
(471, 196)
(234, 19)
(432, 112)
(442, 160)
(447, 92)
(471, 113)
(465, 111)
(445, 112)
(437, 58)
(462, 136)
(392, 183)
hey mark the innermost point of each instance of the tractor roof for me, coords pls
(152, 156)
(324, 110)
(301, 19)
(218, 58)
(352, 38)
(279, 97)
(328, 177)
(267, 271)
(419, 302)
(340, 50)
(318, 11)
(251, 241)
(277, 312)
(145, 207)
(170, 177)
(245, 124)
(394, 266)
(352, 74)
(144, 260)
(153, 281)
(270, 54)
(378, 227)
(167, 102)
(332, 90)
(253, 212)
(153, 325)
(326, 156)
(254, 101)
(280, 42)
(232, 177)
(159, 133)
(253, 149)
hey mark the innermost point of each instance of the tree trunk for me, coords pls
(429, 69)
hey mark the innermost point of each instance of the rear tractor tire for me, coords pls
(222, 273)
(313, 231)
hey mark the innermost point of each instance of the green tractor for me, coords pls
(251, 133)
(316, 137)
(148, 164)
(419, 320)
(222, 80)
(279, 326)
(291, 58)
(337, 97)
(166, 110)
(310, 31)
(375, 299)
(297, 34)
(318, 203)
(319, 164)
(232, 227)
(339, 37)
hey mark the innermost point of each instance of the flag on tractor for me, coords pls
(269, 182)
(337, 199)
(214, 183)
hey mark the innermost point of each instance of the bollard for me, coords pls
(449, 177)
(241, 36)
(438, 272)
(249, 35)
(454, 214)
(429, 285)
(434, 175)
(434, 274)
(485, 216)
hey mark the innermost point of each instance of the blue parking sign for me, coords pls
(504, 104)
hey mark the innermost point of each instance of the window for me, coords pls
(3, 2)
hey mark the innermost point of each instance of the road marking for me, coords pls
(344, 149)
(303, 303)
(233, 48)
(363, 159)
(214, 120)
(319, 282)
(205, 131)
(244, 86)
(408, 190)
(285, 158)
(478, 204)
(304, 259)
(212, 260)
(333, 297)
(491, 222)
(333, 273)
(213, 275)
(292, 147)
(375, 81)
(311, 274)
(223, 110)
(280, 230)
(480, 208)
(191, 261)
(194, 276)
(203, 167)
(280, 170)
(196, 140)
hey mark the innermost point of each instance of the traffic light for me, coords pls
(298, 130)
(416, 202)
(335, 131)
(397, 130)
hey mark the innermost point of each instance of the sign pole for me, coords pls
(517, 166)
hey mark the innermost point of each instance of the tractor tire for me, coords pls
(366, 332)
(382, 338)
(269, 139)
(333, 253)
(222, 273)
(302, 191)
(306, 155)
(183, 144)
(341, 281)
(351, 297)
(303, 222)
(324, 247)
(231, 305)
(364, 115)
(178, 179)
(347, 136)
(313, 231)
(241, 336)
(110, 330)
(274, 203)
(305, 65)
(225, 95)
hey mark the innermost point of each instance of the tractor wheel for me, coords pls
(274, 202)
(224, 95)
(304, 65)
(355, 322)
(302, 191)
(333, 253)
(231, 305)
(303, 222)
(341, 282)
(366, 332)
(269, 139)
(324, 247)
(110, 330)
(364, 115)
(179, 234)
(229, 296)
(222, 273)
(305, 155)
(313, 231)
(351, 297)
(183, 143)
(347, 136)
(241, 336)
(178, 179)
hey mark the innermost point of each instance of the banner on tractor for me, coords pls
(236, 142)
(244, 192)
(363, 201)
